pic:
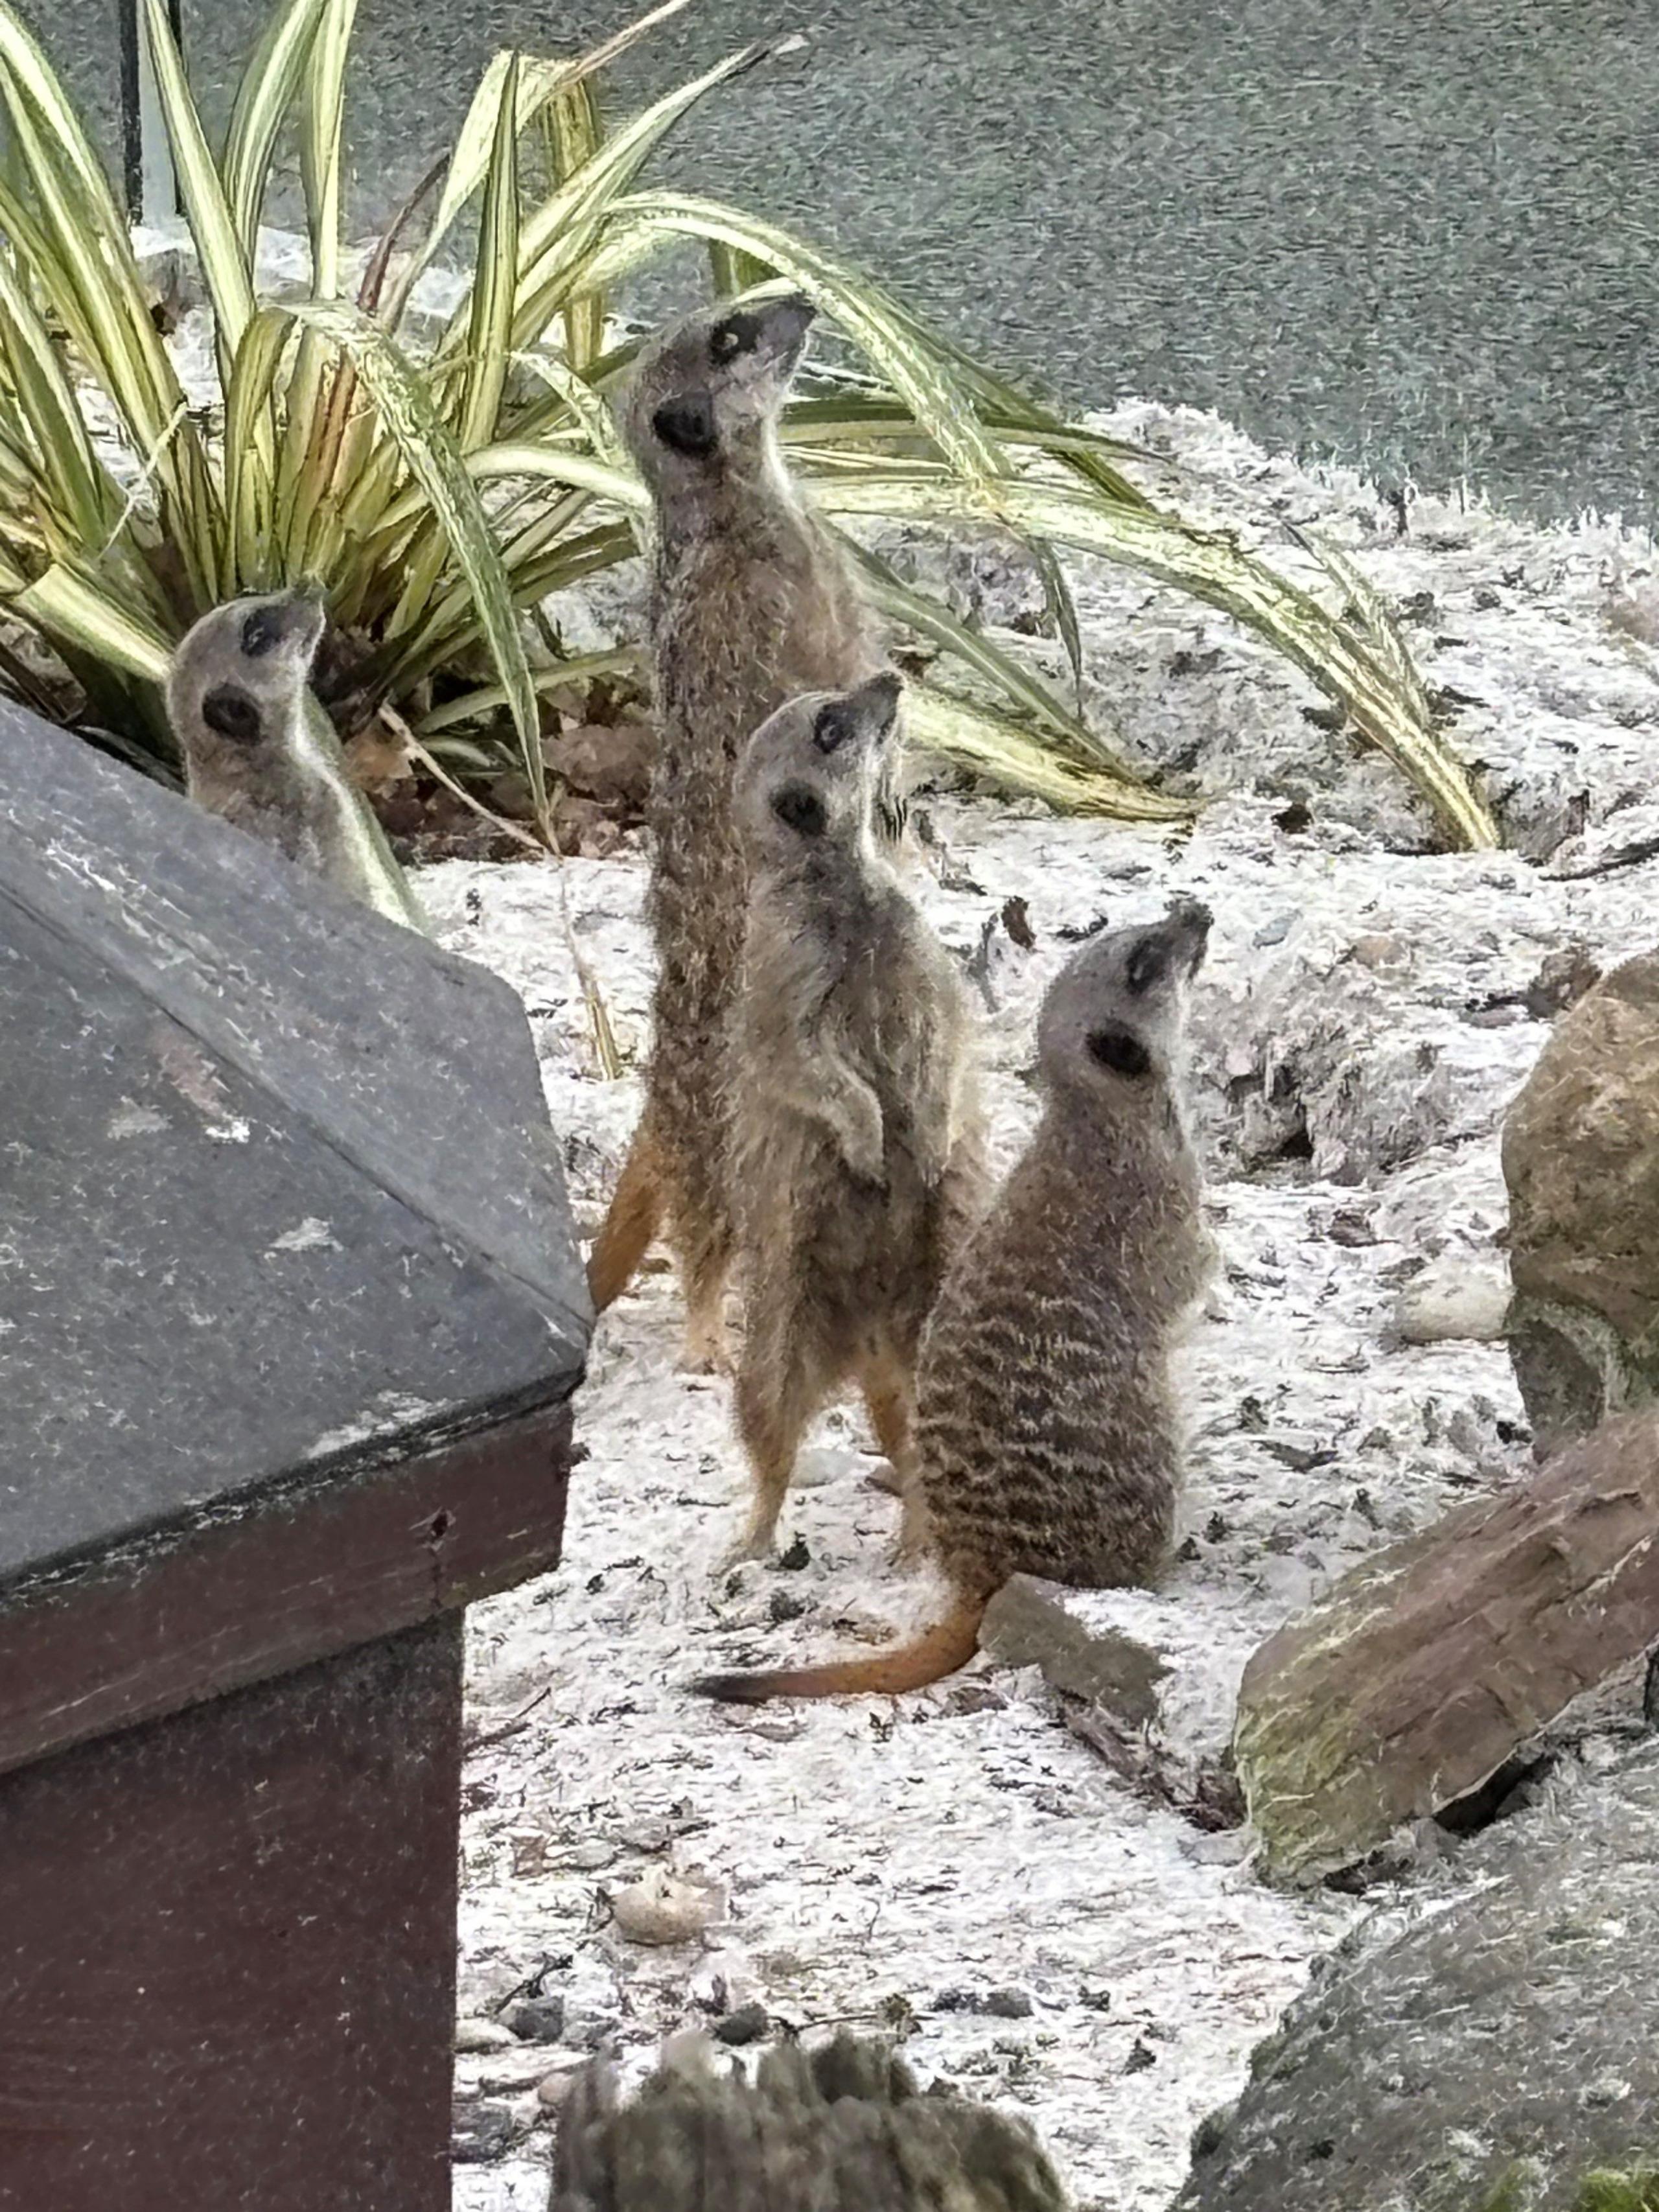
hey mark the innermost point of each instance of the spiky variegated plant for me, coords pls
(439, 491)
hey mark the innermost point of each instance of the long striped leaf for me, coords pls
(269, 86)
(46, 400)
(1008, 753)
(33, 77)
(225, 266)
(490, 336)
(404, 403)
(574, 136)
(919, 613)
(540, 81)
(557, 258)
(932, 390)
(249, 547)
(1210, 565)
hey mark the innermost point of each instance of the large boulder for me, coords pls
(1414, 1679)
(1490, 2054)
(1581, 1156)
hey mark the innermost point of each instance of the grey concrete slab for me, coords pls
(1414, 233)
(277, 1186)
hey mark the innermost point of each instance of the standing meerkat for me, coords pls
(1046, 1431)
(752, 602)
(856, 1155)
(845, 2127)
(236, 697)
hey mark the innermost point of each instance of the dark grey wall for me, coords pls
(1414, 232)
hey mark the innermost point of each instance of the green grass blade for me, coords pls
(478, 706)
(404, 403)
(1211, 566)
(68, 606)
(269, 86)
(225, 268)
(1008, 753)
(913, 367)
(81, 258)
(322, 158)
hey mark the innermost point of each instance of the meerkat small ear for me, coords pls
(1121, 1050)
(232, 715)
(686, 424)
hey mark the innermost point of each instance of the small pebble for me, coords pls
(481, 2133)
(538, 2019)
(664, 1908)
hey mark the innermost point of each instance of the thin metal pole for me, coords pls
(152, 188)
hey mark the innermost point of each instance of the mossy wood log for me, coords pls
(1414, 1679)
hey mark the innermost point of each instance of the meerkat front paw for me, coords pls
(863, 1138)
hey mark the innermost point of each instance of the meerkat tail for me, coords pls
(905, 1666)
(630, 1224)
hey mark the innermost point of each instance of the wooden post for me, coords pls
(290, 1323)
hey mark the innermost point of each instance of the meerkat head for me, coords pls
(810, 776)
(237, 676)
(704, 397)
(1114, 1015)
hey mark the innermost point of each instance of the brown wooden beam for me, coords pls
(227, 1950)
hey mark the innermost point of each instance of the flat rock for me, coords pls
(1485, 2057)
(1455, 1300)
(1426, 1667)
(1029, 1624)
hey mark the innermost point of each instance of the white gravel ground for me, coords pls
(1361, 1026)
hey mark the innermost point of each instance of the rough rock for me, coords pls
(1426, 1667)
(1489, 2055)
(1455, 1301)
(1581, 1156)
(666, 1908)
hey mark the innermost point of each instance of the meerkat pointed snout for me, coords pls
(753, 603)
(705, 400)
(238, 678)
(1047, 1436)
(855, 1135)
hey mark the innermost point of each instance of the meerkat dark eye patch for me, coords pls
(1120, 1050)
(836, 723)
(232, 715)
(686, 424)
(1147, 964)
(736, 335)
(800, 810)
(262, 632)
